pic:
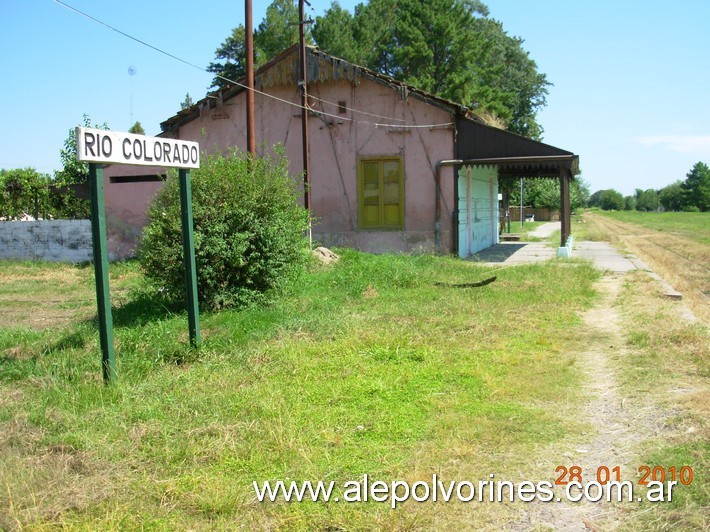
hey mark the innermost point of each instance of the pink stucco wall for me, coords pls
(336, 143)
(126, 206)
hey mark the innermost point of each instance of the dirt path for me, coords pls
(546, 230)
(619, 423)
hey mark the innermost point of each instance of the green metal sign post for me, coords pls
(103, 295)
(188, 246)
(99, 146)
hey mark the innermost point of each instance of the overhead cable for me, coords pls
(256, 91)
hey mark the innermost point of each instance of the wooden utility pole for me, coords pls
(304, 104)
(249, 44)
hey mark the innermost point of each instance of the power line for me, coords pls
(356, 110)
(75, 10)
(256, 91)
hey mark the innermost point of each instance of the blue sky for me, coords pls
(631, 79)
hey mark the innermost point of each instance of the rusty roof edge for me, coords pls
(229, 91)
(534, 163)
(397, 85)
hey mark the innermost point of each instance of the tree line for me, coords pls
(690, 195)
(542, 193)
(26, 192)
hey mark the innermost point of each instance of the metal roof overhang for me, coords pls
(514, 155)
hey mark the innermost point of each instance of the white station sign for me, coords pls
(101, 146)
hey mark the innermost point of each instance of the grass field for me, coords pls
(668, 368)
(692, 225)
(367, 367)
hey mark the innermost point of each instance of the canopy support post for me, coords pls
(565, 218)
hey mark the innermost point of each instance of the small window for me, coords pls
(342, 107)
(381, 193)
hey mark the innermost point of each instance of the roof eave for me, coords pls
(236, 87)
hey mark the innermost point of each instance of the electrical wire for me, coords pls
(256, 91)
(310, 95)
(75, 10)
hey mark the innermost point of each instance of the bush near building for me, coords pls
(249, 231)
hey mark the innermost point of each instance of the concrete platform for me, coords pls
(515, 253)
(603, 255)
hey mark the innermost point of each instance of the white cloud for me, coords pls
(698, 144)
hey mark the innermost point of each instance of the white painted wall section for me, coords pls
(50, 240)
(477, 208)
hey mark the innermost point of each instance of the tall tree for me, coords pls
(447, 47)
(438, 65)
(137, 129)
(595, 199)
(231, 59)
(506, 81)
(275, 33)
(545, 193)
(187, 102)
(24, 191)
(696, 187)
(335, 32)
(671, 197)
(611, 200)
(278, 30)
(646, 200)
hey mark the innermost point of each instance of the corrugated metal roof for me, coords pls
(514, 154)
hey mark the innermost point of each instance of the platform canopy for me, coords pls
(515, 155)
(518, 157)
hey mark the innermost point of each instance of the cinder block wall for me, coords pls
(51, 240)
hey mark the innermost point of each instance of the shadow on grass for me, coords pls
(144, 308)
(75, 340)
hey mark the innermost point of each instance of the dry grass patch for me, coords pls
(39, 296)
(41, 481)
(36, 297)
(669, 368)
(677, 258)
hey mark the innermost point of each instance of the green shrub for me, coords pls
(249, 231)
(690, 208)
